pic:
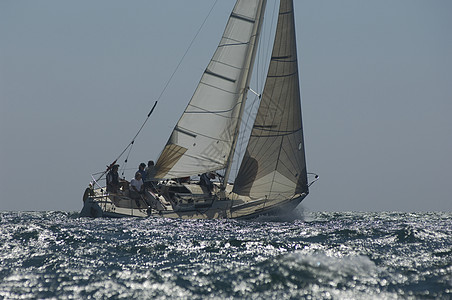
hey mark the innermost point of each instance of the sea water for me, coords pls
(316, 256)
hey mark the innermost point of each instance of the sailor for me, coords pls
(150, 170)
(136, 188)
(150, 174)
(113, 180)
(205, 181)
(142, 171)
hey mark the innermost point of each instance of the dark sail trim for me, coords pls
(235, 44)
(280, 76)
(204, 111)
(184, 132)
(277, 133)
(243, 18)
(286, 12)
(219, 76)
(282, 58)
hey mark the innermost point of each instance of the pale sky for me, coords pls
(77, 79)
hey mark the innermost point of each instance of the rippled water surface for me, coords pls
(318, 256)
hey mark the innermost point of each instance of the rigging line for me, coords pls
(174, 72)
(186, 51)
(127, 159)
(129, 146)
(163, 91)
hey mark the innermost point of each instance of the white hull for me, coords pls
(187, 206)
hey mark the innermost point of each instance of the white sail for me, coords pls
(274, 165)
(204, 136)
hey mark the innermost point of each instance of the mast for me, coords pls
(245, 86)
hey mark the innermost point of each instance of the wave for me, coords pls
(317, 276)
(323, 256)
(296, 214)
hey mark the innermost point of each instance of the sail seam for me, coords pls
(281, 57)
(177, 128)
(278, 161)
(204, 135)
(219, 76)
(233, 40)
(282, 76)
(225, 64)
(212, 112)
(216, 87)
(282, 131)
(286, 12)
(235, 44)
(293, 164)
(283, 60)
(272, 135)
(243, 18)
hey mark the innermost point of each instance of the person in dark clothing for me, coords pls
(142, 171)
(150, 174)
(205, 181)
(113, 180)
(150, 170)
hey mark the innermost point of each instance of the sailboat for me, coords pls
(272, 177)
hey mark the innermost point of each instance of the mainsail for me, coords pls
(274, 165)
(204, 136)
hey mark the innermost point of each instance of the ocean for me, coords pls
(322, 255)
